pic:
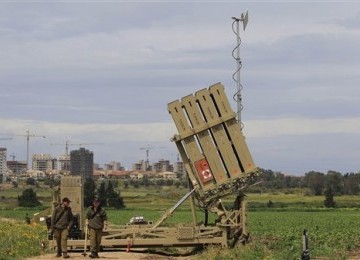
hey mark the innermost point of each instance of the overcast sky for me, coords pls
(103, 72)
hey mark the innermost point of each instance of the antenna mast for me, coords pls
(236, 76)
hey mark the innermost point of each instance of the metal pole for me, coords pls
(238, 67)
(27, 149)
(244, 20)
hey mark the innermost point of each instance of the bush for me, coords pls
(15, 184)
(28, 199)
(30, 181)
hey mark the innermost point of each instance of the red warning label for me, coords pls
(203, 170)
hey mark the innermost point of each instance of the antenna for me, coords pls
(245, 19)
(67, 144)
(237, 96)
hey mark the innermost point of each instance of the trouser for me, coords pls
(95, 239)
(61, 236)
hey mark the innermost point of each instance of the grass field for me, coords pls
(276, 232)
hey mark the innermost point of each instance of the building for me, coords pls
(179, 168)
(82, 163)
(64, 163)
(163, 166)
(44, 162)
(168, 175)
(3, 166)
(17, 167)
(141, 166)
(114, 166)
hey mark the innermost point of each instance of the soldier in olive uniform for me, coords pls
(96, 220)
(61, 222)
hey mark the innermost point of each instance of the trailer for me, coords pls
(218, 164)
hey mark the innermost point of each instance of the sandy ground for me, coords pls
(138, 255)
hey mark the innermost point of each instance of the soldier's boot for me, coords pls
(93, 255)
(65, 255)
(58, 254)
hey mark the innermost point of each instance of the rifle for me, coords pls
(51, 230)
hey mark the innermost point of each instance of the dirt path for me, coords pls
(123, 255)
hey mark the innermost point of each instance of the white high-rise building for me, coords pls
(44, 162)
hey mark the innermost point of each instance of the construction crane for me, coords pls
(147, 149)
(6, 138)
(67, 144)
(27, 135)
(13, 156)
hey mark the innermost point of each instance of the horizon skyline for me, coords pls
(102, 163)
(130, 167)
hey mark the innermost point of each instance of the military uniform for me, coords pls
(61, 222)
(97, 218)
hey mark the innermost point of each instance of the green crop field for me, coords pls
(276, 231)
(330, 233)
(278, 235)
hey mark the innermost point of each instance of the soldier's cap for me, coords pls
(66, 199)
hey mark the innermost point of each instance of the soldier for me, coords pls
(96, 220)
(61, 222)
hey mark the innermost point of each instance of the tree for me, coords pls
(315, 181)
(335, 181)
(177, 184)
(329, 198)
(30, 181)
(116, 202)
(14, 184)
(110, 192)
(185, 183)
(113, 198)
(51, 181)
(28, 199)
(101, 193)
(352, 183)
(146, 181)
(135, 183)
(169, 182)
(89, 191)
(109, 197)
(160, 182)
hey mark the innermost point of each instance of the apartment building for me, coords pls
(114, 166)
(82, 163)
(163, 166)
(17, 167)
(64, 163)
(44, 162)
